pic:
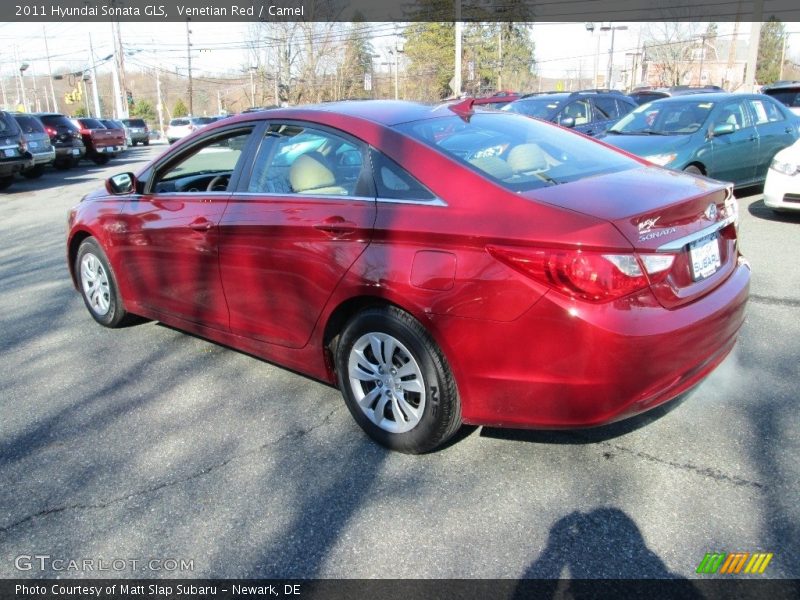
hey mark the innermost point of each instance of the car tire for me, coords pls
(146, 142)
(34, 172)
(693, 169)
(6, 182)
(100, 159)
(133, 144)
(422, 409)
(98, 285)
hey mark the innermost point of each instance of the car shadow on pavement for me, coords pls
(603, 543)
(761, 211)
(589, 435)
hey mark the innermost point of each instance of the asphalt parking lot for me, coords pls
(146, 443)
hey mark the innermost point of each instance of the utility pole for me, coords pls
(49, 70)
(95, 94)
(189, 60)
(123, 83)
(21, 68)
(500, 58)
(159, 106)
(459, 27)
(115, 80)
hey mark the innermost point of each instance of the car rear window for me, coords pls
(203, 120)
(790, 97)
(91, 123)
(520, 154)
(29, 124)
(178, 122)
(7, 124)
(134, 122)
(56, 121)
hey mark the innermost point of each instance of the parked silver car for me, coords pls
(38, 144)
(181, 127)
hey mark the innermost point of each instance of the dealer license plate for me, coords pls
(75, 152)
(705, 257)
(10, 152)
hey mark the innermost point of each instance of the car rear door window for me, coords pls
(764, 111)
(295, 159)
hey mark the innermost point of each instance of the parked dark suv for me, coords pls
(138, 130)
(14, 156)
(785, 92)
(66, 139)
(37, 142)
(643, 96)
(589, 111)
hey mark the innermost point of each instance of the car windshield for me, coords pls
(134, 122)
(541, 108)
(203, 120)
(664, 118)
(178, 122)
(520, 154)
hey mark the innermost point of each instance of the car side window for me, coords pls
(294, 159)
(578, 110)
(206, 167)
(606, 107)
(764, 111)
(734, 113)
(393, 182)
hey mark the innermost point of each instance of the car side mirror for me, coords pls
(121, 184)
(567, 122)
(722, 129)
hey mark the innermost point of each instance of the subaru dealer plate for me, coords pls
(704, 254)
(33, 144)
(10, 152)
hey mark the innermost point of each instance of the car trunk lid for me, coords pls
(663, 213)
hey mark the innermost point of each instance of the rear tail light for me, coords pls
(85, 132)
(50, 131)
(588, 275)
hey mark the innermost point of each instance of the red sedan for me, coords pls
(441, 265)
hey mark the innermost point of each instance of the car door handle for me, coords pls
(753, 138)
(336, 227)
(788, 130)
(201, 224)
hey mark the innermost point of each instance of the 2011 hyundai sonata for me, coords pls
(441, 265)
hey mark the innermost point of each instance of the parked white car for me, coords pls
(782, 188)
(181, 127)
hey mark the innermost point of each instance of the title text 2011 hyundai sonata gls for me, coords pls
(441, 265)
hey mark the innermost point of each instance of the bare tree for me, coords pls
(670, 50)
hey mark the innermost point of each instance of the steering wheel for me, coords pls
(215, 185)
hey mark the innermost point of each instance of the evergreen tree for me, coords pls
(770, 48)
(180, 109)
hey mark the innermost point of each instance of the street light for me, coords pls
(395, 52)
(22, 68)
(612, 29)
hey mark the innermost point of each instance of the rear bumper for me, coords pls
(13, 166)
(565, 364)
(140, 137)
(70, 152)
(44, 158)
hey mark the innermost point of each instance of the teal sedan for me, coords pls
(731, 137)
